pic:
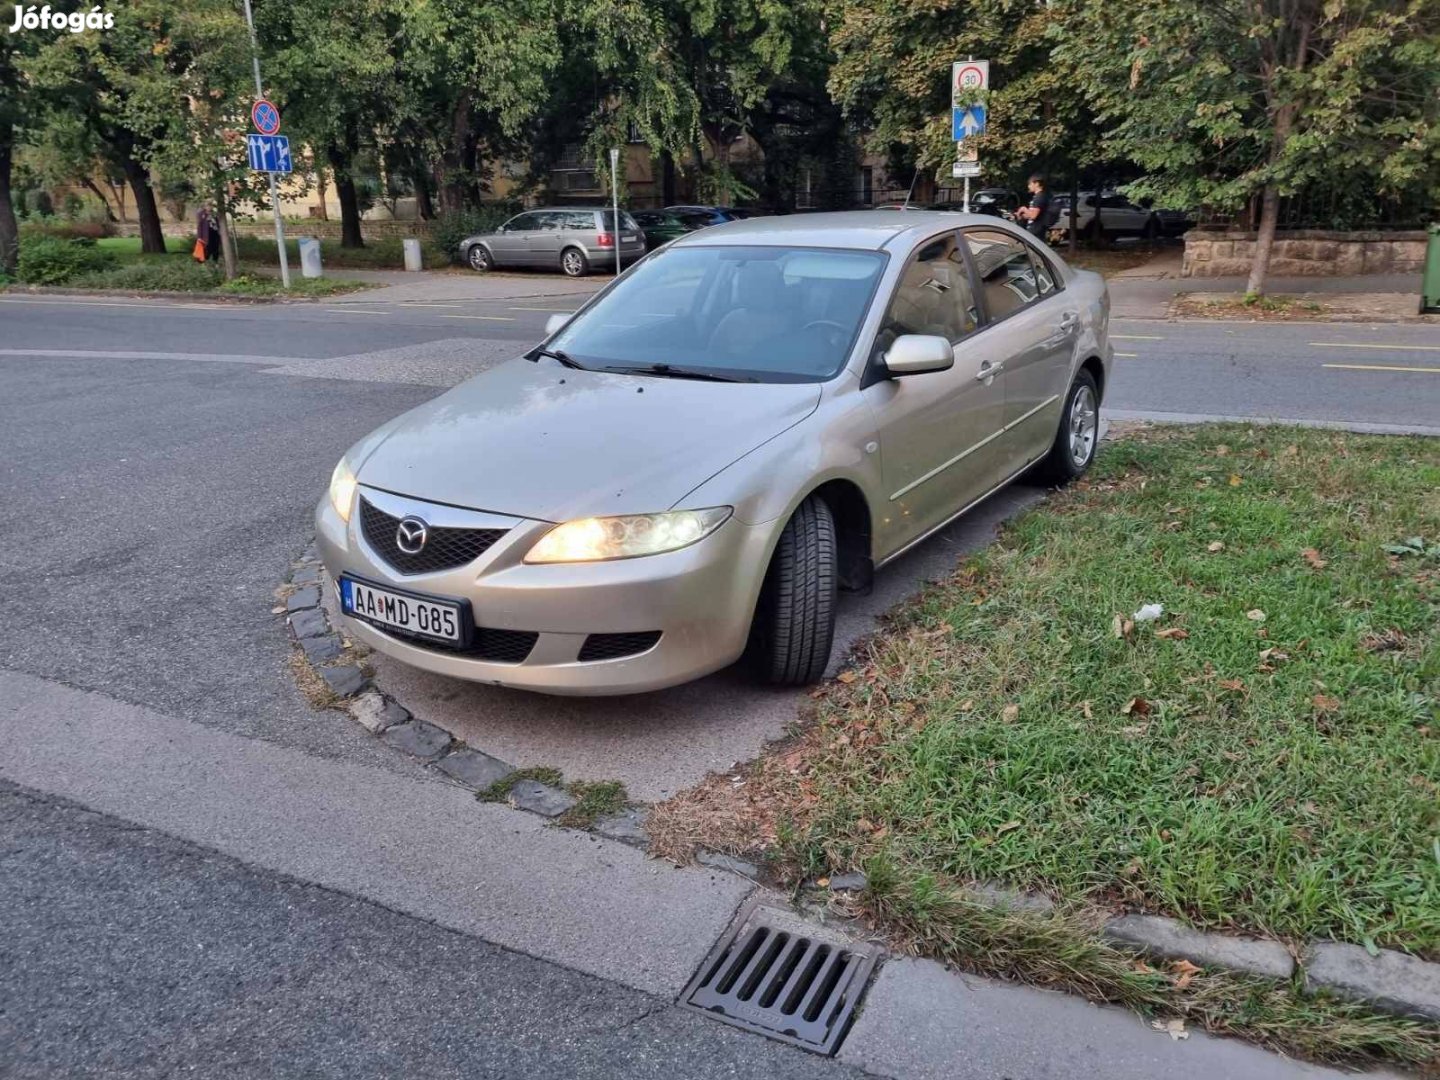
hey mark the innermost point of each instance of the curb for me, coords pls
(169, 294)
(1387, 980)
(327, 654)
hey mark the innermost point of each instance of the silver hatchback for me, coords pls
(757, 416)
(574, 240)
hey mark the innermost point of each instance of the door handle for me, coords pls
(988, 371)
(1069, 321)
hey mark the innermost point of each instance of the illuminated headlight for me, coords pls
(342, 490)
(593, 539)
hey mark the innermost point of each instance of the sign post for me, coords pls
(264, 115)
(969, 80)
(615, 199)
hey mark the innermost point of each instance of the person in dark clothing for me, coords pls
(1040, 216)
(207, 231)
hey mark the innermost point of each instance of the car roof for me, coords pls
(855, 229)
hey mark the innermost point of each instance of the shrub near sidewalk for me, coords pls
(1263, 758)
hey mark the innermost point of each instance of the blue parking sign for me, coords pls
(269, 153)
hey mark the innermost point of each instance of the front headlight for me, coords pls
(342, 490)
(594, 539)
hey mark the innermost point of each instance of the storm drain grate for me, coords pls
(782, 982)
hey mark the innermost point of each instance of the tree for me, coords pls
(892, 77)
(1233, 100)
(14, 113)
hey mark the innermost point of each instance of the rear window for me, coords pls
(626, 221)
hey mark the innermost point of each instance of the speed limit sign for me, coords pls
(968, 78)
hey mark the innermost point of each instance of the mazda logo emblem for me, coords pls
(411, 534)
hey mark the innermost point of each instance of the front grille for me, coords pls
(497, 646)
(783, 984)
(445, 547)
(614, 646)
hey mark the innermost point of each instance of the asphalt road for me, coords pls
(160, 465)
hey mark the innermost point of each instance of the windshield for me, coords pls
(766, 314)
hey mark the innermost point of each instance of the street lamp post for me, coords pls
(615, 199)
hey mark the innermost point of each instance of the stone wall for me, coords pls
(1305, 253)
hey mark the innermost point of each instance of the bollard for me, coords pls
(310, 257)
(1430, 279)
(412, 254)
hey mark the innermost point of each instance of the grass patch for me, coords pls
(166, 273)
(596, 799)
(500, 790)
(128, 247)
(382, 253)
(1265, 757)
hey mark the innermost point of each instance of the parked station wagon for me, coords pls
(571, 239)
(687, 471)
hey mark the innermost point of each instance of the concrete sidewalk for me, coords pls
(398, 286)
(428, 850)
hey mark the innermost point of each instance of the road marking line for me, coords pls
(356, 311)
(1380, 367)
(1129, 354)
(422, 303)
(1136, 337)
(1360, 345)
(551, 310)
(487, 318)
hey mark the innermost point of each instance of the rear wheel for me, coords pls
(795, 619)
(480, 259)
(574, 262)
(1078, 435)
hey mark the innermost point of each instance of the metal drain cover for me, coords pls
(773, 973)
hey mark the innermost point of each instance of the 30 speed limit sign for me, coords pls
(967, 78)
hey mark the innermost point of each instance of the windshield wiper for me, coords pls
(670, 371)
(555, 354)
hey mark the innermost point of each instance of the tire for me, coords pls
(795, 620)
(1078, 436)
(480, 259)
(574, 263)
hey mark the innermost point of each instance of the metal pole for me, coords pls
(274, 192)
(965, 199)
(615, 199)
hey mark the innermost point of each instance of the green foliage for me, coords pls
(169, 274)
(65, 230)
(49, 260)
(450, 228)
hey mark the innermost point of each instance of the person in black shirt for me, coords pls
(1040, 216)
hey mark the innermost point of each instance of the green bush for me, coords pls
(49, 260)
(450, 229)
(66, 230)
(167, 275)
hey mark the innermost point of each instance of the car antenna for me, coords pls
(911, 192)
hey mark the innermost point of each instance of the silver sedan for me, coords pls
(689, 469)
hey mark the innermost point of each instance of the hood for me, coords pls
(538, 440)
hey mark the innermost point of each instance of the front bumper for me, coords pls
(701, 599)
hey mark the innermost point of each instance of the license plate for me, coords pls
(413, 614)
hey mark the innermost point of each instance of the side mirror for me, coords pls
(915, 354)
(555, 323)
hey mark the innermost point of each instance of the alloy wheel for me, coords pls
(1084, 426)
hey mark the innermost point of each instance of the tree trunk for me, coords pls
(349, 201)
(152, 239)
(89, 183)
(222, 220)
(667, 178)
(1264, 241)
(321, 189)
(424, 205)
(9, 228)
(452, 171)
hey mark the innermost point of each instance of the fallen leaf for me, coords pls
(1184, 972)
(1173, 633)
(967, 704)
(1325, 702)
(1221, 450)
(1009, 713)
(1234, 479)
(1134, 731)
(1215, 545)
(1312, 556)
(1232, 684)
(1117, 626)
(1009, 826)
(822, 882)
(277, 610)
(1255, 615)
(1136, 706)
(1174, 1028)
(1290, 451)
(865, 825)
(1384, 641)
(1086, 711)
(1141, 967)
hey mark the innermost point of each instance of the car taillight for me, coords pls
(605, 239)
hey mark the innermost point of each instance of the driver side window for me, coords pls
(522, 223)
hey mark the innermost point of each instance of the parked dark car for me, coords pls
(714, 215)
(997, 202)
(662, 226)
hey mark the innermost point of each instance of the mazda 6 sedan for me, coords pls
(690, 468)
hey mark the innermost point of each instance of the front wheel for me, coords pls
(795, 619)
(574, 262)
(1078, 436)
(480, 260)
